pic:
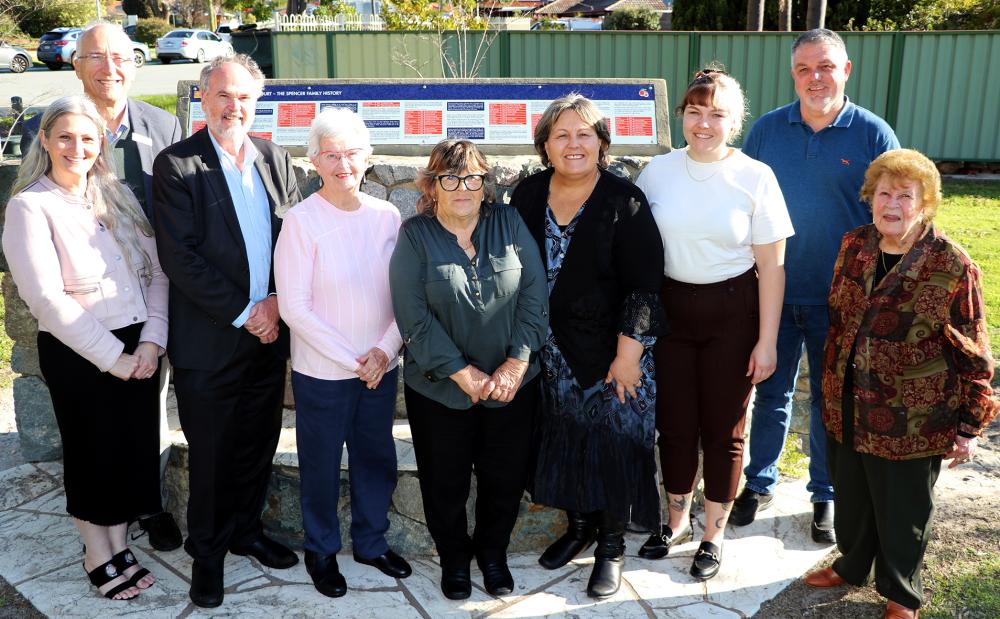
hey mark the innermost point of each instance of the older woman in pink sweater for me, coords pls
(84, 260)
(331, 271)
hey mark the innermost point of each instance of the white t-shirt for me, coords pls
(710, 214)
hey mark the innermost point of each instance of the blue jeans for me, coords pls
(772, 408)
(329, 413)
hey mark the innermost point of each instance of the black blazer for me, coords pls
(201, 248)
(611, 276)
(161, 128)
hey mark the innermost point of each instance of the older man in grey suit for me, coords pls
(137, 133)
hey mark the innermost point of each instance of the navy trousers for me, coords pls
(328, 414)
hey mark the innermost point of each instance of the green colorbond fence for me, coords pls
(937, 89)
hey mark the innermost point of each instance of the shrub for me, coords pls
(632, 19)
(49, 14)
(149, 29)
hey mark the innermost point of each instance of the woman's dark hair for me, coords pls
(586, 109)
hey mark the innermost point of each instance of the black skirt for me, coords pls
(110, 433)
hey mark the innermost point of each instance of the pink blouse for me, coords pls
(72, 274)
(331, 268)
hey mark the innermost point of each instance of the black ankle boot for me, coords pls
(609, 557)
(580, 534)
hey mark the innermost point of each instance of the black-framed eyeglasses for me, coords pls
(451, 182)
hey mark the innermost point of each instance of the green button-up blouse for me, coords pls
(453, 311)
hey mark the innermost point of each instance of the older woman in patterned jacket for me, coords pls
(907, 319)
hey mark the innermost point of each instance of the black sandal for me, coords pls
(105, 573)
(124, 561)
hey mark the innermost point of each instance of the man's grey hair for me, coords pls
(821, 36)
(243, 60)
(100, 23)
(336, 123)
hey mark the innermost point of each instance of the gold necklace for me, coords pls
(687, 168)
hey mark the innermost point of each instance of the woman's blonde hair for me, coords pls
(587, 111)
(713, 87)
(114, 205)
(450, 156)
(903, 165)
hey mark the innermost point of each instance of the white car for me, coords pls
(196, 45)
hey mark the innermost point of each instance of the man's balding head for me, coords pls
(105, 64)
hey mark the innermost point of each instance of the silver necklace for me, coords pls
(687, 169)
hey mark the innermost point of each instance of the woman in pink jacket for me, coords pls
(84, 260)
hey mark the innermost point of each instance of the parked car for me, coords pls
(225, 33)
(15, 58)
(196, 45)
(141, 51)
(58, 47)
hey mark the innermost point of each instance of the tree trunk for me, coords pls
(296, 6)
(816, 14)
(785, 15)
(755, 15)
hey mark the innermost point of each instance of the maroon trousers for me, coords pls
(701, 382)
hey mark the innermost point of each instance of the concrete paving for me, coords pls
(40, 554)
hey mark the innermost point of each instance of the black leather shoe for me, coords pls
(497, 578)
(707, 561)
(658, 546)
(389, 563)
(206, 584)
(580, 534)
(269, 552)
(609, 558)
(162, 530)
(746, 506)
(326, 574)
(822, 524)
(456, 582)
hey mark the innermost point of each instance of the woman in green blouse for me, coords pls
(469, 293)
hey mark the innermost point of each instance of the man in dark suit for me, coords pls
(215, 195)
(137, 132)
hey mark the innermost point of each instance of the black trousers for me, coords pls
(449, 445)
(231, 418)
(883, 512)
(110, 433)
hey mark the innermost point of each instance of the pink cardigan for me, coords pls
(71, 273)
(331, 269)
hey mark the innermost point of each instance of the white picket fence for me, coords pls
(308, 23)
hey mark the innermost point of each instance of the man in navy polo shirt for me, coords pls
(819, 148)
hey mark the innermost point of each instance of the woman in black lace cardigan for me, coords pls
(604, 265)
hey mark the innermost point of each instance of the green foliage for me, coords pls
(167, 103)
(44, 15)
(632, 19)
(139, 8)
(9, 30)
(709, 15)
(430, 15)
(548, 23)
(336, 7)
(149, 29)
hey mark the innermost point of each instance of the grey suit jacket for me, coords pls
(152, 130)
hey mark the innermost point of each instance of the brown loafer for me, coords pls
(898, 611)
(824, 578)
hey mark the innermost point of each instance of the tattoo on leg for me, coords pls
(679, 504)
(721, 520)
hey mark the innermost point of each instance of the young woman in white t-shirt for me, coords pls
(724, 224)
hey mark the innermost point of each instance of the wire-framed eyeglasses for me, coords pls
(354, 155)
(451, 182)
(98, 57)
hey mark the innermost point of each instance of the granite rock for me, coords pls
(21, 326)
(405, 198)
(24, 360)
(375, 190)
(36, 422)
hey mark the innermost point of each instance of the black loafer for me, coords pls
(206, 584)
(164, 535)
(456, 582)
(269, 552)
(658, 546)
(326, 574)
(707, 561)
(389, 563)
(746, 506)
(497, 578)
(822, 524)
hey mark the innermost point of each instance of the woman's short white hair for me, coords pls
(337, 122)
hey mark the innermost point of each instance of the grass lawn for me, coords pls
(164, 102)
(970, 215)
